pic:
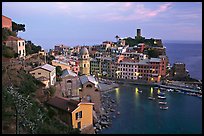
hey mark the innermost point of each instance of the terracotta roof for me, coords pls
(12, 38)
(66, 104)
(6, 17)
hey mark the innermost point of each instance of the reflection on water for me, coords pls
(151, 91)
(136, 92)
(117, 93)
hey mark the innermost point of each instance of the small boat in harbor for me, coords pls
(163, 103)
(161, 93)
(151, 98)
(161, 97)
(170, 90)
(140, 91)
(163, 107)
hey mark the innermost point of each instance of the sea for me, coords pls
(139, 115)
(186, 52)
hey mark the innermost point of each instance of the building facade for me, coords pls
(90, 91)
(70, 83)
(47, 71)
(17, 44)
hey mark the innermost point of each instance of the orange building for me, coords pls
(6, 22)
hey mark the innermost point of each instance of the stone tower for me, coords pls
(84, 61)
(138, 32)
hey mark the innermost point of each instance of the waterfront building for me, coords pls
(45, 71)
(74, 113)
(17, 44)
(6, 22)
(84, 61)
(101, 66)
(178, 71)
(70, 83)
(90, 91)
(150, 70)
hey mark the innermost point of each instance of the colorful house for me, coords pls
(74, 113)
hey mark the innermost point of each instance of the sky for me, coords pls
(88, 23)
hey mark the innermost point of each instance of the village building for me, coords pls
(70, 84)
(17, 44)
(74, 113)
(45, 72)
(90, 91)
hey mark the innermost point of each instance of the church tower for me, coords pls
(84, 61)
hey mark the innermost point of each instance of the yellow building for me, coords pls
(82, 116)
(74, 113)
(84, 60)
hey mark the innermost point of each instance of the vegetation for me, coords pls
(22, 110)
(31, 48)
(18, 27)
(8, 52)
(49, 59)
(58, 73)
(6, 32)
(153, 53)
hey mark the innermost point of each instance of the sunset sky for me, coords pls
(88, 23)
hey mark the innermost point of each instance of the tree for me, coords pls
(31, 48)
(18, 27)
(152, 53)
(58, 72)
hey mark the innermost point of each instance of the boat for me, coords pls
(151, 98)
(162, 102)
(170, 90)
(139, 91)
(161, 93)
(163, 107)
(161, 97)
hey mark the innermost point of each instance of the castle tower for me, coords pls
(138, 32)
(84, 61)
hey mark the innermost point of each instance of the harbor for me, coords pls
(139, 114)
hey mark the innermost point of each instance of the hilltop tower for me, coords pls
(138, 32)
(84, 60)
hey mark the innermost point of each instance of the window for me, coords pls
(39, 73)
(96, 90)
(23, 43)
(19, 44)
(84, 65)
(78, 115)
(89, 86)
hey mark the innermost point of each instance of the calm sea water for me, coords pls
(188, 53)
(139, 115)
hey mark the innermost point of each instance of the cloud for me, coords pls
(137, 11)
